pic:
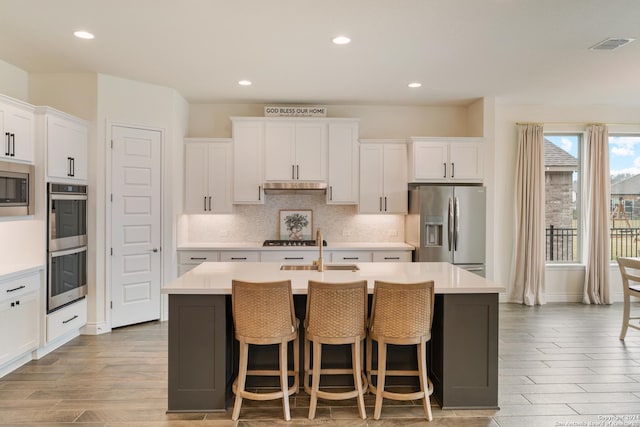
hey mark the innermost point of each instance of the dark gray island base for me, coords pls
(463, 355)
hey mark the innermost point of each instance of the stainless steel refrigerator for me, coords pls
(448, 223)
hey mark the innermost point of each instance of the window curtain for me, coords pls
(596, 216)
(528, 264)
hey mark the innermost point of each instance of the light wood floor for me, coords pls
(560, 364)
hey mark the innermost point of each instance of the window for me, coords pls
(562, 197)
(624, 167)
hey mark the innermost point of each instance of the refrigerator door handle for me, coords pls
(450, 223)
(456, 222)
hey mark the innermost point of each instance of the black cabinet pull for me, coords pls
(16, 289)
(73, 166)
(259, 192)
(69, 166)
(240, 258)
(385, 203)
(331, 192)
(350, 257)
(209, 203)
(205, 203)
(453, 169)
(392, 257)
(198, 258)
(294, 257)
(69, 320)
(13, 145)
(8, 141)
(297, 171)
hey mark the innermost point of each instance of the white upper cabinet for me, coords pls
(445, 159)
(383, 177)
(248, 144)
(65, 143)
(208, 175)
(295, 150)
(343, 163)
(16, 130)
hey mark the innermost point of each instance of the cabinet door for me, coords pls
(279, 151)
(220, 175)
(371, 175)
(466, 161)
(22, 336)
(311, 151)
(195, 178)
(395, 179)
(343, 163)
(430, 161)
(19, 123)
(247, 161)
(66, 149)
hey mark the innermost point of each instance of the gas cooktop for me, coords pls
(292, 243)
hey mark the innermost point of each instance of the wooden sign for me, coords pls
(295, 111)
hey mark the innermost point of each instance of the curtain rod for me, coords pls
(577, 123)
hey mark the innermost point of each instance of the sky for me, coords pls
(624, 151)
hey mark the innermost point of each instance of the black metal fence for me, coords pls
(562, 243)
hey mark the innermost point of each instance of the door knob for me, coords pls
(154, 250)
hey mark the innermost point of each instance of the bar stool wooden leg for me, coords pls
(626, 313)
(317, 361)
(424, 382)
(356, 360)
(307, 365)
(382, 368)
(242, 378)
(284, 381)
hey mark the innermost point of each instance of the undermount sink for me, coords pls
(340, 267)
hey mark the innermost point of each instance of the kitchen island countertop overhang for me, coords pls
(214, 278)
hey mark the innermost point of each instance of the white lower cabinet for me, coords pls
(290, 257)
(19, 316)
(190, 259)
(240, 256)
(392, 256)
(69, 318)
(351, 256)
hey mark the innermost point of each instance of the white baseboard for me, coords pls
(52, 345)
(95, 329)
(15, 364)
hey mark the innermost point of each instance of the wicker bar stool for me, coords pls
(336, 314)
(263, 314)
(401, 314)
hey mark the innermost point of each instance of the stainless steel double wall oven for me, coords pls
(67, 247)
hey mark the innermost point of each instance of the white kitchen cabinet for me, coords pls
(239, 256)
(69, 318)
(65, 141)
(446, 159)
(392, 256)
(295, 150)
(208, 176)
(347, 257)
(343, 168)
(383, 177)
(16, 130)
(290, 256)
(354, 256)
(19, 316)
(189, 259)
(248, 144)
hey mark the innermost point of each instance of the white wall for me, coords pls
(14, 82)
(376, 121)
(562, 283)
(122, 101)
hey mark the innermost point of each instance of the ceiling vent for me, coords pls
(610, 43)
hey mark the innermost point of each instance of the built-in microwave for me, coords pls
(17, 189)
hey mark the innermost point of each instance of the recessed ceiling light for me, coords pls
(83, 35)
(244, 82)
(414, 85)
(341, 40)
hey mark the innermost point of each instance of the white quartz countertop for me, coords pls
(9, 271)
(215, 277)
(339, 246)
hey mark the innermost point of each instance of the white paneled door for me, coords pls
(135, 226)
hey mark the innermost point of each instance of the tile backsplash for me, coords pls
(255, 223)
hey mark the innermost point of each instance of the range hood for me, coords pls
(294, 187)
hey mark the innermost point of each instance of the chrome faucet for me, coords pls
(319, 262)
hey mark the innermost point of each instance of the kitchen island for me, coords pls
(463, 351)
